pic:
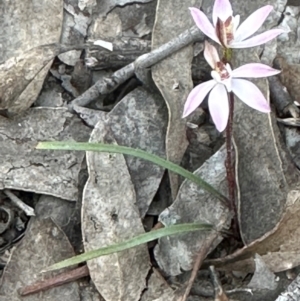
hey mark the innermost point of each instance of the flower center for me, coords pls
(224, 31)
(222, 70)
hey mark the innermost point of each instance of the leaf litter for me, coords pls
(119, 190)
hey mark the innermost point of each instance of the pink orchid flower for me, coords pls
(226, 30)
(226, 80)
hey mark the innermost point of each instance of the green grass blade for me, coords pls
(111, 148)
(130, 243)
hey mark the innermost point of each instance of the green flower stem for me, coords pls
(111, 148)
(227, 55)
(130, 243)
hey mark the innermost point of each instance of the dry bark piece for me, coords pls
(44, 244)
(176, 69)
(125, 51)
(193, 204)
(46, 172)
(24, 64)
(109, 216)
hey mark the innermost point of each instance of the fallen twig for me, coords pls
(200, 257)
(19, 203)
(107, 85)
(55, 281)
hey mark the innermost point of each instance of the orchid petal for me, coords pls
(236, 22)
(219, 107)
(204, 24)
(252, 23)
(228, 84)
(211, 55)
(254, 70)
(222, 10)
(196, 97)
(259, 39)
(250, 95)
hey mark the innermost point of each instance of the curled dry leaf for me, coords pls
(109, 216)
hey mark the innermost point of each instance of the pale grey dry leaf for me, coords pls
(108, 28)
(26, 25)
(263, 278)
(292, 139)
(157, 289)
(109, 216)
(174, 70)
(75, 26)
(65, 214)
(265, 171)
(88, 4)
(90, 116)
(292, 292)
(24, 65)
(44, 244)
(108, 5)
(193, 204)
(289, 76)
(140, 121)
(71, 57)
(288, 44)
(41, 171)
(50, 97)
(270, 49)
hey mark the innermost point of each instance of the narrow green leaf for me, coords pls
(130, 243)
(111, 148)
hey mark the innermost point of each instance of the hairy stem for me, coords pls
(229, 164)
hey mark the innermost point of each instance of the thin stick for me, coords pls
(230, 168)
(55, 281)
(19, 203)
(219, 292)
(107, 85)
(200, 257)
